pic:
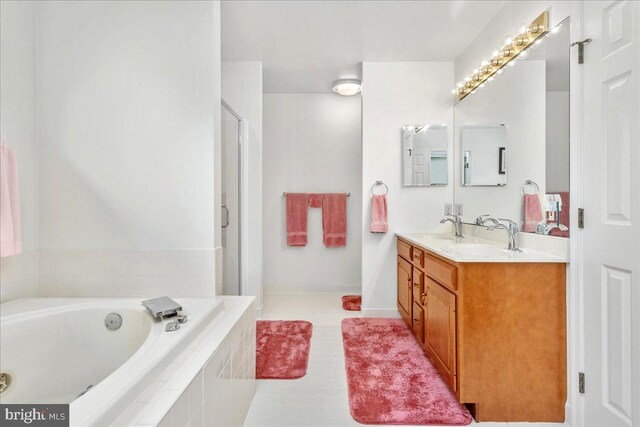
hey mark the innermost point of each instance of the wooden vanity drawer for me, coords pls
(441, 272)
(418, 256)
(404, 250)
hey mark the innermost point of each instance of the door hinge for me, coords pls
(580, 217)
(581, 49)
(581, 382)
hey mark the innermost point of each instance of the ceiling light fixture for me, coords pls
(347, 87)
(513, 48)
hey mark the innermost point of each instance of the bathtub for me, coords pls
(58, 350)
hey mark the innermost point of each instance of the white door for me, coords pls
(420, 161)
(611, 269)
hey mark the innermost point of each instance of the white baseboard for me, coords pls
(381, 312)
(323, 289)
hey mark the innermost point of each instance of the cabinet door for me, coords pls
(418, 322)
(418, 285)
(404, 289)
(440, 330)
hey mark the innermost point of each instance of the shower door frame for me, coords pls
(243, 200)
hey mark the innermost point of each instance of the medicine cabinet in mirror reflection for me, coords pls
(484, 155)
(424, 155)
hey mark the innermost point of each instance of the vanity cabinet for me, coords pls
(494, 331)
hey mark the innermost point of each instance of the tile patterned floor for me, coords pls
(320, 398)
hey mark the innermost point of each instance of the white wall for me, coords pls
(312, 144)
(557, 141)
(522, 108)
(128, 115)
(242, 90)
(18, 273)
(395, 94)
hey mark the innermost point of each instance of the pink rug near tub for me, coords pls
(351, 302)
(282, 349)
(390, 379)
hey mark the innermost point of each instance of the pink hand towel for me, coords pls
(315, 200)
(10, 235)
(379, 222)
(334, 219)
(532, 212)
(297, 219)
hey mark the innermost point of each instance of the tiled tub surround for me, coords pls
(126, 273)
(212, 382)
(203, 374)
(19, 276)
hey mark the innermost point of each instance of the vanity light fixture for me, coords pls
(347, 87)
(513, 47)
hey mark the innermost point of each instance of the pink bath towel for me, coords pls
(532, 213)
(379, 222)
(297, 204)
(10, 236)
(315, 200)
(334, 219)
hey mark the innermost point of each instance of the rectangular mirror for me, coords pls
(424, 155)
(484, 155)
(511, 141)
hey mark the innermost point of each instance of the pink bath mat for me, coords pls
(282, 349)
(390, 379)
(351, 302)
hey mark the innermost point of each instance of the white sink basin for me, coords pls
(476, 251)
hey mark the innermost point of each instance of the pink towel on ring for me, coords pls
(532, 213)
(334, 219)
(297, 219)
(379, 222)
(10, 235)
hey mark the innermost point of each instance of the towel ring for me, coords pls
(386, 189)
(531, 183)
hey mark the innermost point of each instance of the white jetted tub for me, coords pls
(58, 350)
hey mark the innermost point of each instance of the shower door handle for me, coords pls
(226, 209)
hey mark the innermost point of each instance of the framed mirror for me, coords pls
(484, 155)
(511, 141)
(425, 155)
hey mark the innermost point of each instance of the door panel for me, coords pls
(440, 330)
(418, 322)
(404, 287)
(611, 238)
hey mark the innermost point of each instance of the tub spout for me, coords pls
(162, 307)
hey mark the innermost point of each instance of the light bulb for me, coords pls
(490, 79)
(512, 63)
(481, 84)
(453, 92)
(499, 71)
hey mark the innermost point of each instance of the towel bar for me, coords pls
(285, 194)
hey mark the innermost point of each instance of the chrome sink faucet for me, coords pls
(512, 229)
(457, 223)
(545, 229)
(481, 220)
